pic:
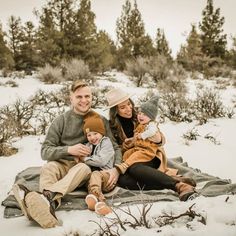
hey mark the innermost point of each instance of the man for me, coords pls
(64, 150)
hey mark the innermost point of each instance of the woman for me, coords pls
(145, 175)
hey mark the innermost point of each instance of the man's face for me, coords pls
(81, 100)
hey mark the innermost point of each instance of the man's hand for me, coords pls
(79, 150)
(114, 175)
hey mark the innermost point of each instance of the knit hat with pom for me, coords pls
(150, 107)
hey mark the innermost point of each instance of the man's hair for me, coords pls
(78, 84)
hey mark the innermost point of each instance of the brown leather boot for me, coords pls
(185, 180)
(184, 190)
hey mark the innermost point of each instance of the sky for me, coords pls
(174, 16)
(216, 160)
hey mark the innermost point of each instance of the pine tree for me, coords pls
(232, 55)
(47, 38)
(56, 30)
(105, 52)
(132, 40)
(191, 55)
(162, 46)
(63, 16)
(213, 40)
(6, 59)
(87, 30)
(28, 59)
(15, 35)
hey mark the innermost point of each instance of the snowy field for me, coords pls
(218, 160)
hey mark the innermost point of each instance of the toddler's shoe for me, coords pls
(91, 201)
(101, 208)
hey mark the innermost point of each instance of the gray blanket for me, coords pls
(207, 185)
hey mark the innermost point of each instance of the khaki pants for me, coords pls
(98, 184)
(63, 177)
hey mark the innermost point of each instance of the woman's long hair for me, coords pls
(115, 124)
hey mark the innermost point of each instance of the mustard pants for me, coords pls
(98, 184)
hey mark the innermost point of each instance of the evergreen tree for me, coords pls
(48, 36)
(105, 52)
(6, 59)
(162, 46)
(213, 40)
(232, 55)
(56, 28)
(191, 55)
(63, 16)
(86, 35)
(15, 38)
(132, 40)
(28, 59)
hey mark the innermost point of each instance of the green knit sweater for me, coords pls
(67, 130)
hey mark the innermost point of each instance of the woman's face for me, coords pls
(124, 109)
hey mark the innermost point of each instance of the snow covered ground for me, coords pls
(218, 160)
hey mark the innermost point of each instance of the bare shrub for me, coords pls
(234, 80)
(212, 139)
(30, 117)
(169, 219)
(191, 134)
(215, 67)
(175, 107)
(178, 71)
(47, 106)
(7, 131)
(6, 72)
(44, 116)
(56, 98)
(159, 67)
(49, 74)
(222, 83)
(18, 116)
(208, 105)
(137, 69)
(150, 93)
(18, 74)
(230, 112)
(113, 226)
(11, 83)
(99, 100)
(195, 75)
(6, 126)
(172, 84)
(76, 70)
(220, 71)
(7, 150)
(175, 81)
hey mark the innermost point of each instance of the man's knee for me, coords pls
(50, 166)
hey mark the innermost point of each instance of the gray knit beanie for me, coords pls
(149, 108)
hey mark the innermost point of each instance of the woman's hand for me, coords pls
(114, 175)
(128, 143)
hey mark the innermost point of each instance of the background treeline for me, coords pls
(67, 32)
